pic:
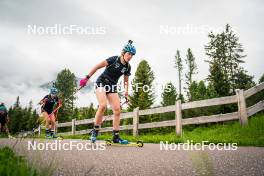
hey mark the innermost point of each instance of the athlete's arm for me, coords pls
(57, 108)
(126, 78)
(43, 101)
(59, 104)
(98, 66)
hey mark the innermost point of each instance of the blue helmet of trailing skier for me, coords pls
(129, 48)
(2, 108)
(53, 91)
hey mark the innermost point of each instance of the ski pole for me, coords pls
(75, 91)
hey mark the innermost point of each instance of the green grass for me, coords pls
(13, 165)
(3, 135)
(229, 132)
(249, 135)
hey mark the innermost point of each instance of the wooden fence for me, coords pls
(242, 114)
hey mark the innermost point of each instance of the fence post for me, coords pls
(178, 113)
(135, 121)
(242, 107)
(39, 130)
(73, 126)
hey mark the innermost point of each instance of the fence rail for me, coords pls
(240, 99)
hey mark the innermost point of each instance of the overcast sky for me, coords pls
(31, 59)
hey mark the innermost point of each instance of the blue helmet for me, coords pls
(53, 91)
(129, 48)
(2, 107)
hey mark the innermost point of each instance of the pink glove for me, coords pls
(83, 82)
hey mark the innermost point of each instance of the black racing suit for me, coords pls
(3, 115)
(49, 103)
(109, 78)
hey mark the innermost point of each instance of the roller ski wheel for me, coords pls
(130, 144)
(140, 143)
(108, 142)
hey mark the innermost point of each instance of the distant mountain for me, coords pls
(88, 88)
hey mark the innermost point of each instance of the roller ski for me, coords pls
(117, 141)
(57, 137)
(128, 144)
(52, 135)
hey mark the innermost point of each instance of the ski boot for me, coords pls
(93, 134)
(117, 139)
(48, 134)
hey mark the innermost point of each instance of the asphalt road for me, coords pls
(149, 160)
